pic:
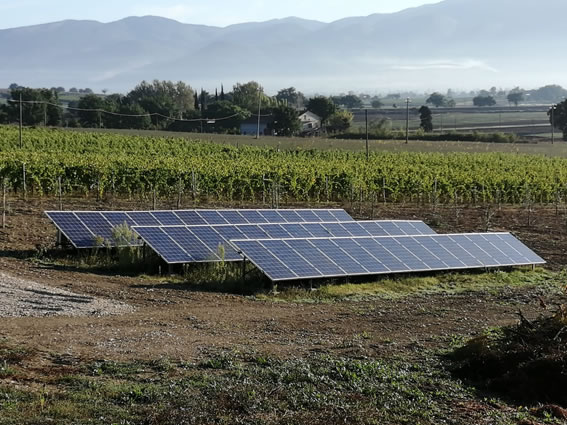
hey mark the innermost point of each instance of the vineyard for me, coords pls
(92, 164)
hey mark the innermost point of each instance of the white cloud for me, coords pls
(445, 64)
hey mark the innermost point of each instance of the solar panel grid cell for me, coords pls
(186, 239)
(167, 218)
(212, 217)
(97, 224)
(362, 256)
(271, 265)
(74, 229)
(191, 218)
(143, 218)
(339, 256)
(316, 257)
(233, 217)
(164, 245)
(290, 258)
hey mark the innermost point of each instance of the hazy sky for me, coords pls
(15, 13)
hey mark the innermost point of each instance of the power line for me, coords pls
(103, 111)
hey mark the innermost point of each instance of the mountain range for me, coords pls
(460, 44)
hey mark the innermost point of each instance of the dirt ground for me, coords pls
(172, 321)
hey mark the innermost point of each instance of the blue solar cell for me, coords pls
(193, 245)
(212, 217)
(253, 216)
(490, 249)
(473, 249)
(325, 216)
(519, 247)
(290, 258)
(232, 217)
(407, 228)
(265, 261)
(391, 228)
(163, 245)
(511, 253)
(448, 243)
(374, 228)
(143, 218)
(214, 242)
(425, 256)
(272, 216)
(291, 216)
(275, 231)
(355, 229)
(167, 218)
(406, 257)
(337, 230)
(308, 216)
(73, 229)
(317, 258)
(442, 253)
(229, 232)
(97, 224)
(362, 256)
(341, 215)
(423, 228)
(383, 255)
(252, 231)
(191, 218)
(296, 230)
(118, 219)
(317, 230)
(339, 256)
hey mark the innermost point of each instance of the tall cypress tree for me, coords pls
(216, 95)
(196, 101)
(221, 92)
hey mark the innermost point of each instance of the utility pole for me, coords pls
(21, 144)
(367, 151)
(407, 120)
(553, 124)
(259, 109)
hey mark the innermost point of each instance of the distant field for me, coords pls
(292, 143)
(460, 118)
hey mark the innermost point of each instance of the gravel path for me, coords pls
(25, 298)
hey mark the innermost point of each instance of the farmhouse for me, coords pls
(310, 122)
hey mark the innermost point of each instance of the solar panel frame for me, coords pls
(221, 234)
(324, 245)
(158, 218)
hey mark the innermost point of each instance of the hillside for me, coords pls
(455, 43)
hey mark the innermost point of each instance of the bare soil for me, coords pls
(171, 320)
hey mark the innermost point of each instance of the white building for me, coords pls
(310, 122)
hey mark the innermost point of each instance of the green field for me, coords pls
(295, 143)
(132, 165)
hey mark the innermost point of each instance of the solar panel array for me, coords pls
(309, 258)
(191, 244)
(82, 228)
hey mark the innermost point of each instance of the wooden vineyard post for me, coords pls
(60, 193)
(263, 190)
(25, 192)
(179, 192)
(4, 190)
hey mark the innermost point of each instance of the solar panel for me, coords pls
(213, 236)
(83, 227)
(356, 256)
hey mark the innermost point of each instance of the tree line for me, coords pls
(166, 105)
